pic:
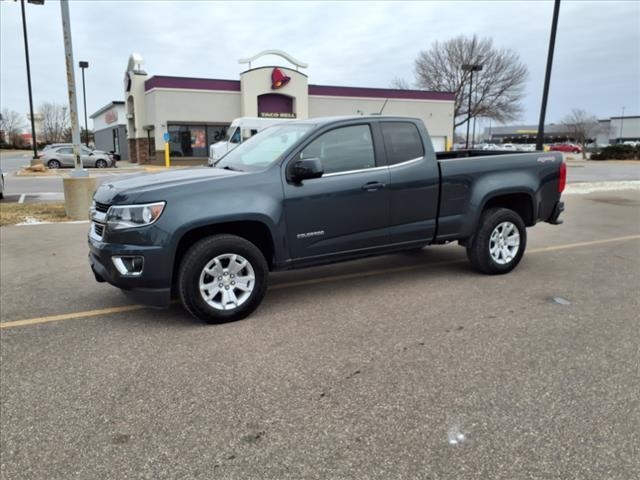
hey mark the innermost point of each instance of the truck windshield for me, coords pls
(264, 148)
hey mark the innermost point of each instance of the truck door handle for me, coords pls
(373, 186)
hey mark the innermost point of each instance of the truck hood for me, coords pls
(218, 149)
(127, 190)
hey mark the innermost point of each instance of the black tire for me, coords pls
(53, 164)
(101, 163)
(478, 250)
(193, 263)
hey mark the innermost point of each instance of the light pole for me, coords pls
(473, 135)
(84, 65)
(34, 142)
(470, 67)
(547, 76)
(621, 123)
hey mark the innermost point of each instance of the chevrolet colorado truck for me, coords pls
(311, 192)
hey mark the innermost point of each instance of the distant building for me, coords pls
(613, 130)
(110, 129)
(526, 134)
(619, 129)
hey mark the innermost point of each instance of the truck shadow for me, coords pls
(296, 287)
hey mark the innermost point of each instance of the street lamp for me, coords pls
(84, 65)
(470, 67)
(34, 142)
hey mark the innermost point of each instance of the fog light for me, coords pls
(128, 266)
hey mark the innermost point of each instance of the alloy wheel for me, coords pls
(227, 281)
(504, 243)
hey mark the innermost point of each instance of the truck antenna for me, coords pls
(383, 105)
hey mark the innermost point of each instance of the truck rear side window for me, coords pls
(401, 142)
(343, 149)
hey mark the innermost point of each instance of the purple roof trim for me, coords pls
(192, 83)
(328, 90)
(333, 91)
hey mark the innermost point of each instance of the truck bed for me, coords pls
(467, 181)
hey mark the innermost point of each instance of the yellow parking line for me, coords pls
(370, 273)
(71, 316)
(583, 244)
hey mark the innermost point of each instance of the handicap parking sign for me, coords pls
(166, 136)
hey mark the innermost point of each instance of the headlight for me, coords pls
(130, 216)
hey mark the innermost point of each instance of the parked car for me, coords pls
(565, 147)
(62, 156)
(312, 192)
(509, 147)
(490, 146)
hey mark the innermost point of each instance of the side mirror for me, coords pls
(305, 169)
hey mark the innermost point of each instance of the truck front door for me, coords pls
(348, 207)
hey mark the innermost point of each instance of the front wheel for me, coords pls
(222, 278)
(499, 242)
(101, 164)
(53, 164)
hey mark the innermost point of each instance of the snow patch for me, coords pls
(584, 188)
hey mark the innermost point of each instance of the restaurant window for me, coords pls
(188, 140)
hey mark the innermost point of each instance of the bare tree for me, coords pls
(55, 122)
(497, 89)
(12, 124)
(400, 84)
(582, 127)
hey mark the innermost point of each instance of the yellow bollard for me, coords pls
(167, 160)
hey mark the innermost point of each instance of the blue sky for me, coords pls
(597, 62)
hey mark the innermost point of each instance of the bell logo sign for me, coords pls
(278, 79)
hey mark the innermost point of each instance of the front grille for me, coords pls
(102, 207)
(98, 228)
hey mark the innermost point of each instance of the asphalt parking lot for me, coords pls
(403, 366)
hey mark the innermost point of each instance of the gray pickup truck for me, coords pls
(311, 192)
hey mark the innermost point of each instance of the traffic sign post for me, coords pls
(167, 159)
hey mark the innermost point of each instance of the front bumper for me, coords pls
(554, 219)
(152, 287)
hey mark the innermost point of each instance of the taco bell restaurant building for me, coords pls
(196, 112)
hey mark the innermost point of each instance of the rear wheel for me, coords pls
(53, 164)
(101, 164)
(499, 242)
(222, 278)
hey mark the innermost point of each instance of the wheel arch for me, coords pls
(255, 231)
(520, 202)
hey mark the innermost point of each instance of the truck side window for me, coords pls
(343, 149)
(235, 138)
(401, 142)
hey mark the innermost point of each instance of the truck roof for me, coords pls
(326, 120)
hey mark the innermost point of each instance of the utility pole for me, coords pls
(78, 171)
(34, 141)
(79, 187)
(82, 66)
(547, 76)
(621, 123)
